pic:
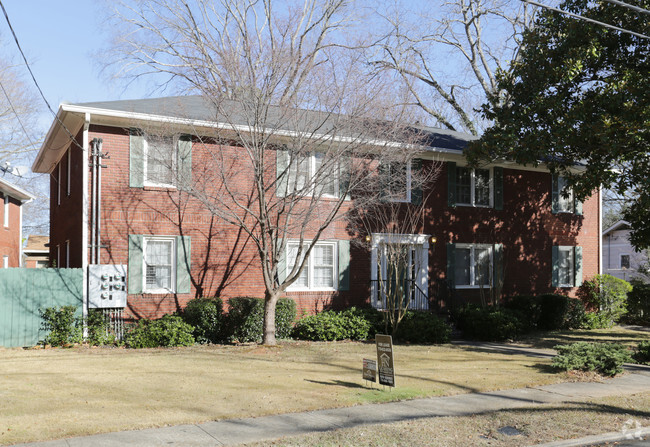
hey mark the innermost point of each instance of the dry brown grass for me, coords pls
(544, 423)
(630, 336)
(56, 393)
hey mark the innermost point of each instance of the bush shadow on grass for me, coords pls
(547, 340)
(336, 383)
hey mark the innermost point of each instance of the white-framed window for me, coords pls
(310, 167)
(473, 264)
(320, 271)
(6, 211)
(473, 187)
(565, 199)
(5, 262)
(625, 261)
(567, 266)
(160, 154)
(159, 264)
(397, 181)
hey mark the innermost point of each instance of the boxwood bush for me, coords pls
(638, 304)
(488, 324)
(604, 358)
(245, 319)
(168, 331)
(527, 309)
(330, 325)
(206, 316)
(642, 354)
(423, 327)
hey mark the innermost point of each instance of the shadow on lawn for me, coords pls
(336, 383)
(548, 340)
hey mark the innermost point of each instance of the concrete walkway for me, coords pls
(236, 431)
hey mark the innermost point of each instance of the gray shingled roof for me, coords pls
(200, 109)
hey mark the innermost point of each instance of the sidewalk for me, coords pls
(236, 431)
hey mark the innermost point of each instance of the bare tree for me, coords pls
(301, 124)
(391, 225)
(447, 59)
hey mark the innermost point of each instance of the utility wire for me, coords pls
(606, 25)
(626, 5)
(34, 78)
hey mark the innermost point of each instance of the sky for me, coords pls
(59, 38)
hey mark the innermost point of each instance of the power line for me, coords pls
(606, 25)
(626, 5)
(34, 78)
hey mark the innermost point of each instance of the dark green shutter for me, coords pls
(555, 266)
(555, 194)
(451, 183)
(577, 206)
(451, 264)
(282, 172)
(498, 265)
(136, 158)
(498, 188)
(416, 173)
(282, 264)
(135, 263)
(185, 161)
(344, 265)
(344, 177)
(578, 266)
(183, 264)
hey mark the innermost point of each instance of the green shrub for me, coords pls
(576, 314)
(638, 304)
(99, 332)
(206, 315)
(245, 319)
(596, 320)
(489, 324)
(642, 354)
(553, 311)
(527, 309)
(423, 327)
(604, 358)
(608, 296)
(168, 331)
(330, 325)
(62, 325)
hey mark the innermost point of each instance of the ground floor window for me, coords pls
(158, 264)
(567, 266)
(320, 270)
(473, 264)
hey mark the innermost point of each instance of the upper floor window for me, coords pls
(478, 187)
(159, 160)
(311, 174)
(625, 261)
(563, 198)
(397, 181)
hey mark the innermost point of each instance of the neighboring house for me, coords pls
(502, 223)
(12, 199)
(620, 259)
(36, 253)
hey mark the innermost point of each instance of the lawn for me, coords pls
(57, 393)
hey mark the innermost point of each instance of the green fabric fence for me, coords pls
(24, 291)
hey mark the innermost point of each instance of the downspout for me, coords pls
(20, 226)
(84, 223)
(600, 230)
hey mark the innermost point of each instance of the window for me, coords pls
(472, 265)
(563, 199)
(567, 266)
(158, 265)
(474, 186)
(320, 271)
(314, 167)
(160, 161)
(397, 181)
(6, 211)
(625, 261)
(5, 262)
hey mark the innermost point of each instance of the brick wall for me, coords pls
(10, 235)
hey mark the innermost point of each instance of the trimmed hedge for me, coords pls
(330, 325)
(168, 331)
(638, 304)
(245, 319)
(604, 358)
(423, 327)
(488, 324)
(206, 316)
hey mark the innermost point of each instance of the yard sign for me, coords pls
(385, 359)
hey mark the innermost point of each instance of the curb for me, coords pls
(626, 434)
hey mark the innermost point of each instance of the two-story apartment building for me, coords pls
(499, 220)
(620, 259)
(11, 221)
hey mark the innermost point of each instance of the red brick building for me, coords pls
(501, 224)
(12, 199)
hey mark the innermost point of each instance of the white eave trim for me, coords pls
(15, 192)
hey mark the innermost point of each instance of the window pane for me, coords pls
(482, 267)
(325, 177)
(303, 279)
(625, 261)
(482, 187)
(158, 263)
(299, 172)
(396, 180)
(464, 186)
(160, 160)
(565, 203)
(323, 257)
(462, 270)
(565, 271)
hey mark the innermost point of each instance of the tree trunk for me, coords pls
(270, 300)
